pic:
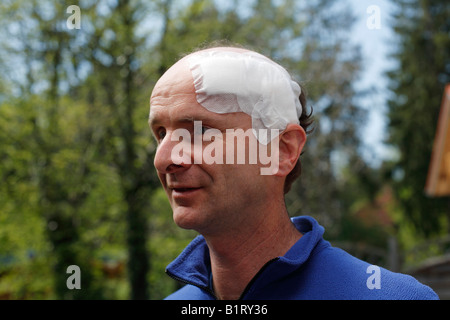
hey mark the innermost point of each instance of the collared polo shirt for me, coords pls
(312, 269)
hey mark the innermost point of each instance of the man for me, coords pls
(208, 109)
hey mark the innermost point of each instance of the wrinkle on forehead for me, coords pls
(177, 81)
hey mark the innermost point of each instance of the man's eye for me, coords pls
(161, 134)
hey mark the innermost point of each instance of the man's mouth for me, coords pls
(183, 194)
(184, 189)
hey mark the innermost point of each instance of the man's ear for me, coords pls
(292, 141)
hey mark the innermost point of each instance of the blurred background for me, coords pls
(77, 183)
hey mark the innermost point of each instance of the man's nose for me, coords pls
(172, 156)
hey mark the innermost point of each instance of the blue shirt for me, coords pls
(311, 269)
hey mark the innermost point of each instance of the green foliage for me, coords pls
(165, 243)
(327, 67)
(76, 155)
(417, 84)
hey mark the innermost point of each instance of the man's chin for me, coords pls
(186, 218)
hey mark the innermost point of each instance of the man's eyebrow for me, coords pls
(152, 121)
(185, 119)
(188, 119)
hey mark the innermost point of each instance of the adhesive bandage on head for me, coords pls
(229, 81)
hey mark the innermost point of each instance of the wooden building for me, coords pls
(438, 179)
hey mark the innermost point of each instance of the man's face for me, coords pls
(209, 198)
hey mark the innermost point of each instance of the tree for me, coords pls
(59, 164)
(423, 68)
(118, 88)
(327, 64)
(78, 122)
(78, 166)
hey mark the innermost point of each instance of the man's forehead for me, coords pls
(178, 78)
(176, 81)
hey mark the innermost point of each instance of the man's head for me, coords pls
(203, 100)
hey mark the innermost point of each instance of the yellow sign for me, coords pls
(438, 180)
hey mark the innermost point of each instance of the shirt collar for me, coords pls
(193, 265)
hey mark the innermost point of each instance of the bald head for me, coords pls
(178, 80)
(229, 80)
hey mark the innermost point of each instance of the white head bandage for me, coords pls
(229, 81)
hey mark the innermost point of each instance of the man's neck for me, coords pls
(237, 258)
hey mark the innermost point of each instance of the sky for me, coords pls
(375, 40)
